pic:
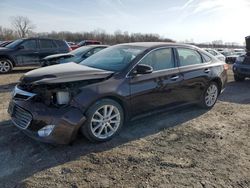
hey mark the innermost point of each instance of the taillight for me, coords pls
(226, 66)
(70, 49)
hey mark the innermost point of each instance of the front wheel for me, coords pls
(104, 120)
(5, 65)
(210, 96)
(239, 78)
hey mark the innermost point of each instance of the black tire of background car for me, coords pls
(10, 64)
(239, 78)
(86, 130)
(203, 100)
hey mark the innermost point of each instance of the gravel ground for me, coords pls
(188, 147)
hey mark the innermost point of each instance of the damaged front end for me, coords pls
(43, 104)
(47, 113)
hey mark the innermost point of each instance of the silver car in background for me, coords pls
(216, 54)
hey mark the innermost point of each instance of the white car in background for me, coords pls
(216, 54)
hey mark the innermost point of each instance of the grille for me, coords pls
(20, 117)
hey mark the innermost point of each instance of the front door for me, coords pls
(27, 53)
(159, 88)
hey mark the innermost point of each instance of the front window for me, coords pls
(160, 59)
(114, 58)
(14, 44)
(29, 44)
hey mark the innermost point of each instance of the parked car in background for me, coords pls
(241, 67)
(29, 51)
(84, 43)
(75, 56)
(230, 59)
(88, 42)
(73, 45)
(216, 54)
(53, 103)
(5, 43)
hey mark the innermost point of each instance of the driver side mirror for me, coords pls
(20, 47)
(143, 69)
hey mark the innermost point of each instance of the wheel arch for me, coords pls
(117, 99)
(10, 58)
(218, 82)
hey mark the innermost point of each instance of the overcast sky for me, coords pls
(200, 20)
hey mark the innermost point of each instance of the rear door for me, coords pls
(159, 88)
(27, 53)
(47, 47)
(196, 71)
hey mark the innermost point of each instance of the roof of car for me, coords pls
(156, 44)
(42, 38)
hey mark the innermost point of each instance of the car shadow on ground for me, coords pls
(21, 157)
(237, 92)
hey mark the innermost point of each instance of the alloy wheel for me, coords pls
(4, 66)
(211, 95)
(105, 121)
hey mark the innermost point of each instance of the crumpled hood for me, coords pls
(68, 72)
(58, 56)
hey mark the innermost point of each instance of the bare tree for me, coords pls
(22, 25)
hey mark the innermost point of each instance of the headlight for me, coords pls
(62, 97)
(46, 131)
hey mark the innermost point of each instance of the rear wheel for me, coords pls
(5, 65)
(104, 120)
(239, 78)
(210, 96)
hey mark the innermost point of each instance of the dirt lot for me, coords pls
(190, 147)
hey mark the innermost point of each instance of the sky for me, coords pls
(194, 20)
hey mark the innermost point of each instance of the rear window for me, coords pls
(188, 57)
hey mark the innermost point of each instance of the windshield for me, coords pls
(114, 58)
(80, 51)
(14, 43)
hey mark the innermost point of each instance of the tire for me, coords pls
(210, 96)
(6, 65)
(239, 78)
(99, 128)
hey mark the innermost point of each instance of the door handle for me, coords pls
(173, 78)
(207, 70)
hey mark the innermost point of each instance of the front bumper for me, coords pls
(67, 120)
(241, 69)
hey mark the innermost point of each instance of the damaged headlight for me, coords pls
(62, 97)
(46, 131)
